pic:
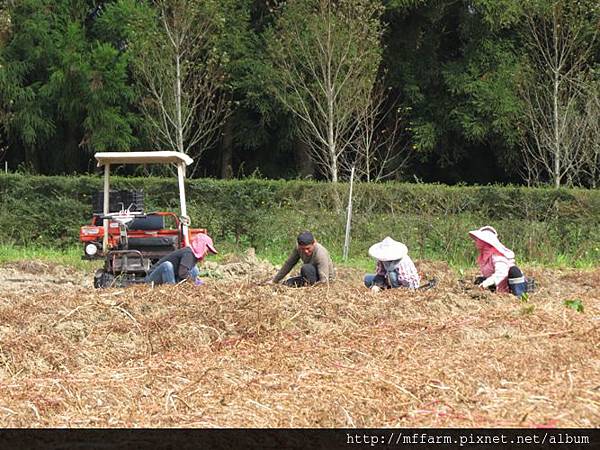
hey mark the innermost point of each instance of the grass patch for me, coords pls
(70, 256)
(576, 304)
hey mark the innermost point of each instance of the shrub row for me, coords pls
(539, 223)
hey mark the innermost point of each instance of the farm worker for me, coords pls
(317, 264)
(394, 267)
(497, 263)
(181, 264)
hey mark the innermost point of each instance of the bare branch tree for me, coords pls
(554, 94)
(378, 152)
(592, 115)
(326, 54)
(182, 76)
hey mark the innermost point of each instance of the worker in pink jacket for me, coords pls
(497, 263)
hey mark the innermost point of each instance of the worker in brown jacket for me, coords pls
(317, 267)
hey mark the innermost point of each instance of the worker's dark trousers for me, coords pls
(517, 283)
(308, 276)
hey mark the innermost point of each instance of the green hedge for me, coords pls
(540, 224)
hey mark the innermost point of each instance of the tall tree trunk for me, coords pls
(178, 105)
(333, 168)
(227, 150)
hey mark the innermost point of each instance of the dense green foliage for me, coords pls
(69, 85)
(540, 225)
(64, 92)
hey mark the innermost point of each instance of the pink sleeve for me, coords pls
(501, 268)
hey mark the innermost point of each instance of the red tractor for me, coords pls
(123, 234)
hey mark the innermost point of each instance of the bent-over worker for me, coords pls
(181, 264)
(317, 264)
(394, 267)
(497, 263)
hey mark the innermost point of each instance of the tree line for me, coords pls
(472, 91)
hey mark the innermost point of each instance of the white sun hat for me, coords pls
(388, 250)
(489, 235)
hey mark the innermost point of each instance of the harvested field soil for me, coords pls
(238, 354)
(246, 267)
(27, 277)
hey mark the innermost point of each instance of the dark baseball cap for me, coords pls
(306, 238)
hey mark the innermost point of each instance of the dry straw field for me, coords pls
(233, 353)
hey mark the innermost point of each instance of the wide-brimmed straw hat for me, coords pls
(388, 250)
(201, 245)
(489, 235)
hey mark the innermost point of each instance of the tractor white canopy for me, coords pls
(180, 160)
(143, 158)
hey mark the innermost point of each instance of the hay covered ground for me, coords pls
(238, 354)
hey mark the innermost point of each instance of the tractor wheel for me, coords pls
(103, 279)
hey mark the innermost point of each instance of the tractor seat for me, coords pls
(152, 222)
(148, 223)
(157, 243)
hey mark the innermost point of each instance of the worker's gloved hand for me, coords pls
(479, 280)
(198, 282)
